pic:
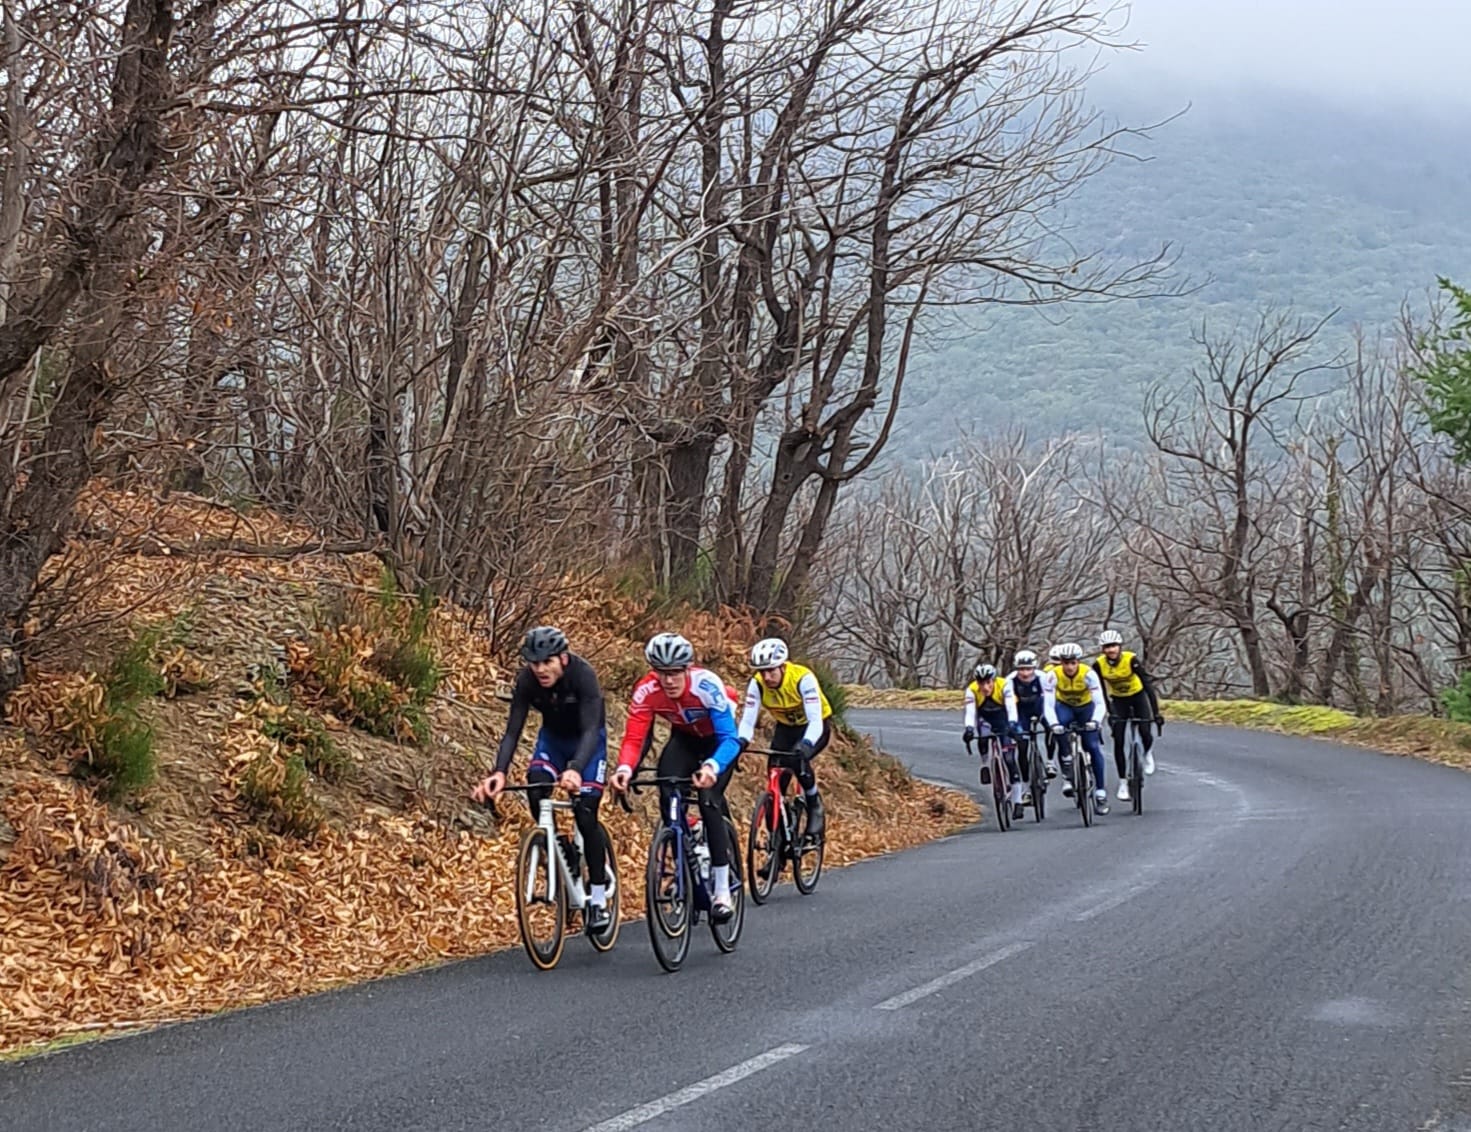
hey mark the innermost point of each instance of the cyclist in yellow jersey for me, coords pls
(985, 715)
(1131, 695)
(1074, 694)
(792, 695)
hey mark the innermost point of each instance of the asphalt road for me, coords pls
(1279, 942)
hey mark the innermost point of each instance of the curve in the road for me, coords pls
(1277, 943)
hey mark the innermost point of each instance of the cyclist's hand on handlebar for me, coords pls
(1058, 729)
(970, 734)
(570, 781)
(1017, 729)
(803, 750)
(620, 779)
(705, 777)
(1091, 725)
(1159, 723)
(743, 744)
(488, 790)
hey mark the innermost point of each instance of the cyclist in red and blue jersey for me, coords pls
(703, 744)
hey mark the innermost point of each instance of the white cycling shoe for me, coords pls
(1148, 762)
(1123, 791)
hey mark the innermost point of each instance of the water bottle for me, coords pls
(702, 850)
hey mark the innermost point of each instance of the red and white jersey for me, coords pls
(706, 708)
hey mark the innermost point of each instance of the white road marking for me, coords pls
(899, 1001)
(646, 1112)
(1111, 903)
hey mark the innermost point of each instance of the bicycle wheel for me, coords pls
(1136, 773)
(543, 920)
(1037, 774)
(667, 889)
(606, 941)
(728, 934)
(763, 850)
(1083, 782)
(1000, 795)
(807, 858)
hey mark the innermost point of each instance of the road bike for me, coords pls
(550, 885)
(994, 775)
(677, 879)
(1083, 784)
(778, 834)
(1134, 763)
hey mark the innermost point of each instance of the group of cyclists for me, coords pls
(705, 740)
(706, 737)
(1063, 693)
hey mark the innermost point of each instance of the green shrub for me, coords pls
(134, 674)
(280, 787)
(1457, 699)
(123, 755)
(303, 734)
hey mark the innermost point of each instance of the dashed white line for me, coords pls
(1111, 903)
(656, 1108)
(899, 1001)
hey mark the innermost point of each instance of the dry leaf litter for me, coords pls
(183, 901)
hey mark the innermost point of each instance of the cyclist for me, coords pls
(985, 712)
(1074, 694)
(1131, 695)
(702, 744)
(1022, 694)
(571, 748)
(795, 699)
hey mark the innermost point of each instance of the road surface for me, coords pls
(1281, 941)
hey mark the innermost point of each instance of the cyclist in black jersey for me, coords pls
(571, 747)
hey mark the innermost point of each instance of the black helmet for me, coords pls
(543, 643)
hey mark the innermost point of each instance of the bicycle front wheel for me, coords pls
(542, 917)
(1038, 780)
(1083, 782)
(1136, 774)
(667, 890)
(807, 858)
(1000, 794)
(606, 941)
(763, 849)
(728, 934)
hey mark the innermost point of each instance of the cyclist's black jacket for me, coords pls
(572, 708)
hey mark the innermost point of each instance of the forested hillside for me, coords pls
(1268, 199)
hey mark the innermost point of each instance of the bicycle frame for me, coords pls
(546, 819)
(676, 818)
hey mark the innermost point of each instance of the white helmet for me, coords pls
(1025, 659)
(1110, 637)
(1054, 652)
(669, 650)
(770, 653)
(1069, 651)
(985, 672)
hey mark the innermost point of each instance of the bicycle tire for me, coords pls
(668, 914)
(1000, 794)
(1037, 772)
(1082, 779)
(761, 828)
(805, 854)
(529, 872)
(1136, 774)
(606, 941)
(728, 934)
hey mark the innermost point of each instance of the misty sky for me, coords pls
(1383, 50)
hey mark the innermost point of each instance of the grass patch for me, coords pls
(931, 699)
(374, 663)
